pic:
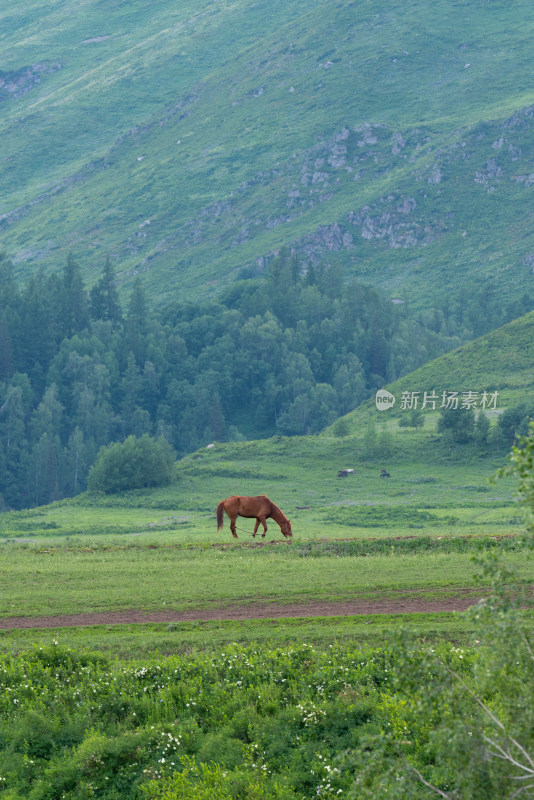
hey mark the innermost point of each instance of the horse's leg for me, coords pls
(232, 525)
(262, 520)
(256, 526)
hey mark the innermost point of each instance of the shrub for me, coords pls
(209, 782)
(458, 424)
(135, 463)
(514, 421)
(521, 466)
(414, 419)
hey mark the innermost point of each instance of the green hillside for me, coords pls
(189, 141)
(500, 362)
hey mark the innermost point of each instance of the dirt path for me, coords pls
(402, 603)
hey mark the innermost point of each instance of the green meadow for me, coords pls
(280, 707)
(431, 491)
(419, 533)
(56, 581)
(361, 537)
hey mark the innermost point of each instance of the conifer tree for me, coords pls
(75, 313)
(6, 349)
(105, 302)
(136, 325)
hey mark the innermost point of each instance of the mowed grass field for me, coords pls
(58, 581)
(360, 538)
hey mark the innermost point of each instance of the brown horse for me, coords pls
(259, 508)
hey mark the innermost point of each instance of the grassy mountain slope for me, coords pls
(190, 141)
(501, 361)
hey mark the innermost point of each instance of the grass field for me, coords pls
(58, 581)
(141, 641)
(355, 538)
(430, 492)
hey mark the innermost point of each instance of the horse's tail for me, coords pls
(220, 515)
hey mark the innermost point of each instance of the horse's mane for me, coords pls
(277, 511)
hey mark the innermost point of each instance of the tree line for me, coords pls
(287, 352)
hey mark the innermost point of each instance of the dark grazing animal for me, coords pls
(258, 508)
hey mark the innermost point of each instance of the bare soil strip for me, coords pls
(404, 604)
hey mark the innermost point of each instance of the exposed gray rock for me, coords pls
(398, 142)
(492, 172)
(326, 238)
(406, 205)
(343, 134)
(526, 180)
(338, 156)
(19, 82)
(242, 236)
(390, 225)
(435, 175)
(319, 177)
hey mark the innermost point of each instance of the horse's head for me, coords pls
(285, 527)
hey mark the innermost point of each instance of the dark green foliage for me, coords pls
(458, 424)
(404, 545)
(521, 466)
(247, 722)
(290, 723)
(74, 311)
(415, 419)
(514, 421)
(132, 464)
(105, 302)
(285, 352)
(288, 351)
(482, 430)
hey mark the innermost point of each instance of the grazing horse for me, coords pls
(252, 507)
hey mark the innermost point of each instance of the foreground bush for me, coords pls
(289, 723)
(250, 722)
(135, 463)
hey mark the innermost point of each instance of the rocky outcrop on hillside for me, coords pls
(490, 156)
(366, 185)
(289, 191)
(17, 83)
(426, 202)
(392, 220)
(394, 223)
